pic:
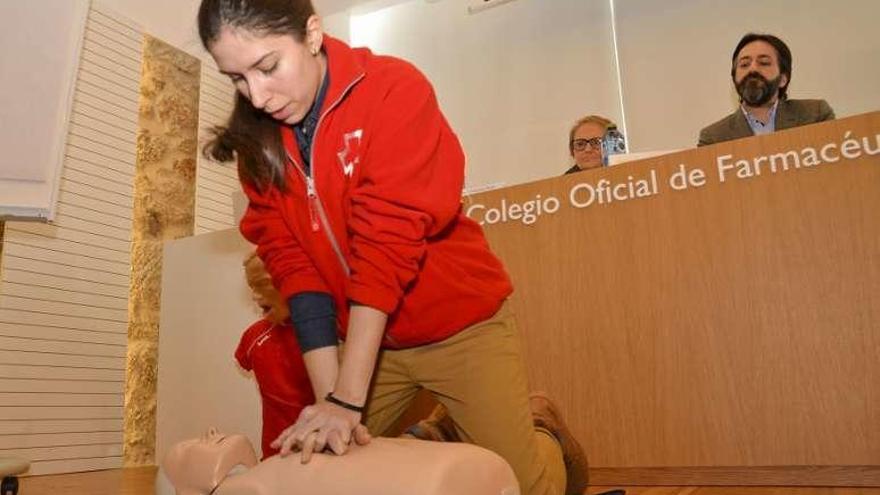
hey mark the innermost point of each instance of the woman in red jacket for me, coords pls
(354, 180)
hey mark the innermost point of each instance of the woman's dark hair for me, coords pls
(251, 135)
(782, 52)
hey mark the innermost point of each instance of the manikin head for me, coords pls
(199, 465)
(263, 292)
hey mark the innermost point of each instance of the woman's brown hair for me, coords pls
(251, 136)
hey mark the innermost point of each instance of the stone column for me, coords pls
(164, 203)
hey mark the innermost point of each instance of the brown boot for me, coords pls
(437, 427)
(546, 415)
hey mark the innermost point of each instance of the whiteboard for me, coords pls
(39, 56)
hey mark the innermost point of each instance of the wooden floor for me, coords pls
(735, 490)
(131, 481)
(140, 481)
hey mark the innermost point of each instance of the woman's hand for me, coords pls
(320, 426)
(325, 424)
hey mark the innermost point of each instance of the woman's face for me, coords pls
(276, 73)
(588, 137)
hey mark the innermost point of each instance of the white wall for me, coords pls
(172, 21)
(675, 59)
(338, 25)
(511, 79)
(205, 308)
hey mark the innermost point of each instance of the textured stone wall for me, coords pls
(163, 209)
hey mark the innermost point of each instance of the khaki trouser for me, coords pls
(479, 375)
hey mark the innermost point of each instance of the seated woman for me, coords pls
(585, 142)
(219, 464)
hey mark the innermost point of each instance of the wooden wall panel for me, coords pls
(734, 324)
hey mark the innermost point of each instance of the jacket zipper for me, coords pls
(317, 215)
(315, 205)
(313, 196)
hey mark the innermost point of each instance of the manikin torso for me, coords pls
(226, 465)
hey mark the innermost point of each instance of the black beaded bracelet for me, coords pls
(342, 403)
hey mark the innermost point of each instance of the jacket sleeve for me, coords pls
(825, 111)
(705, 139)
(291, 269)
(409, 189)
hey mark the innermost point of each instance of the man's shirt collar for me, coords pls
(759, 127)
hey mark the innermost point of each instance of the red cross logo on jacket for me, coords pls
(351, 151)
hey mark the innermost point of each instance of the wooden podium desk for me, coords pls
(710, 316)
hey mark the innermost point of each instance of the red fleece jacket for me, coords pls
(383, 226)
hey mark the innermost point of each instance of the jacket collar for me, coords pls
(345, 68)
(739, 126)
(785, 119)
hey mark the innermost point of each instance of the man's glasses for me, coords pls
(583, 144)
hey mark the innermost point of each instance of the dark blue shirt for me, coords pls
(305, 129)
(312, 313)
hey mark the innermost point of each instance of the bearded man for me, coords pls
(761, 73)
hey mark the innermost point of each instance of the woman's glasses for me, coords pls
(583, 144)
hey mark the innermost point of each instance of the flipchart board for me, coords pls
(710, 316)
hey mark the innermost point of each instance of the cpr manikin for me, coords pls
(219, 464)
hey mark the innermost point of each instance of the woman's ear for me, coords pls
(314, 34)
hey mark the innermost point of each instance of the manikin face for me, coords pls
(264, 292)
(756, 74)
(199, 465)
(276, 73)
(588, 137)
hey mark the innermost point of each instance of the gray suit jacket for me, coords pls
(789, 113)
